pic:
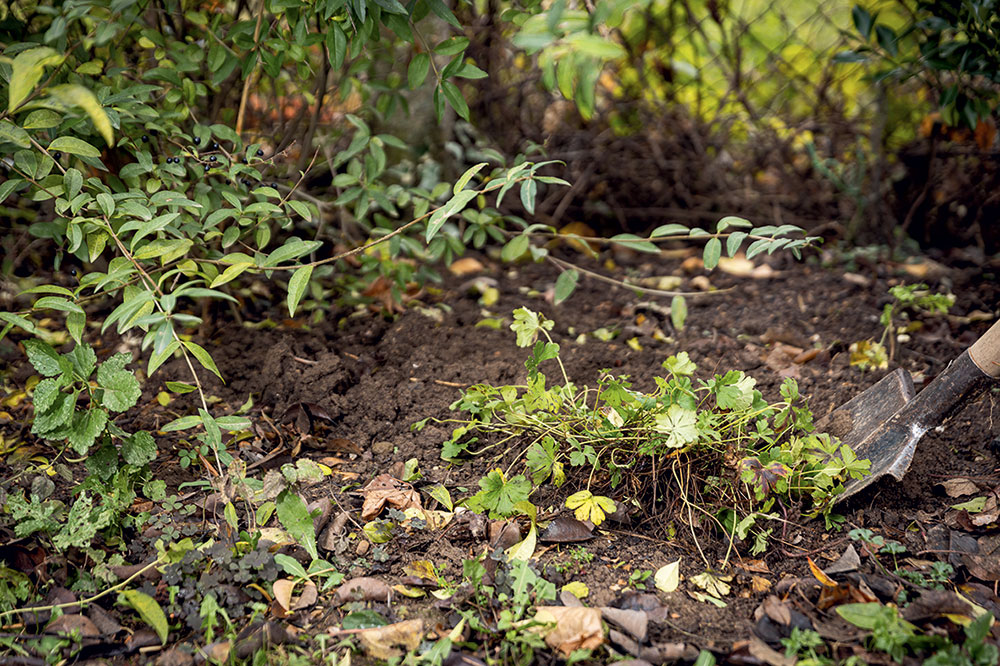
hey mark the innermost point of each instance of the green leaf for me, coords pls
(679, 424)
(300, 208)
(56, 303)
(26, 71)
(566, 285)
(231, 273)
(139, 449)
(13, 134)
(121, 388)
(44, 358)
(149, 610)
(452, 46)
(527, 325)
(84, 361)
(528, 190)
(72, 182)
(158, 359)
(734, 241)
(862, 615)
(294, 517)
(455, 205)
(455, 99)
(77, 95)
(734, 390)
(635, 242)
(86, 428)
(336, 45)
(669, 230)
(417, 71)
(499, 495)
(515, 247)
(442, 12)
(863, 21)
(73, 146)
(183, 423)
(290, 565)
(106, 203)
(713, 250)
(678, 312)
(58, 415)
(297, 287)
(466, 177)
(391, 6)
(204, 358)
(16, 320)
(733, 221)
(45, 394)
(180, 387)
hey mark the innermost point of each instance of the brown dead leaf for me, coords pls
(755, 566)
(634, 622)
(761, 651)
(777, 610)
(73, 623)
(985, 563)
(759, 584)
(282, 590)
(393, 640)
(466, 266)
(958, 487)
(384, 489)
(576, 628)
(565, 529)
(307, 598)
(363, 588)
(740, 266)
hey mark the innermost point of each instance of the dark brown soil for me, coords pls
(374, 377)
(367, 378)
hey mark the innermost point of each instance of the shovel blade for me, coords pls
(855, 420)
(865, 423)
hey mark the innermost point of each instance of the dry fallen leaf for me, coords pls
(362, 589)
(959, 487)
(576, 628)
(466, 266)
(386, 642)
(667, 577)
(384, 489)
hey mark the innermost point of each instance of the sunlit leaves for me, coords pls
(587, 506)
(499, 495)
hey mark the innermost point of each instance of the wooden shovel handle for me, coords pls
(985, 352)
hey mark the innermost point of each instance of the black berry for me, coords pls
(260, 153)
(246, 182)
(207, 167)
(145, 139)
(274, 186)
(57, 155)
(215, 146)
(213, 158)
(197, 140)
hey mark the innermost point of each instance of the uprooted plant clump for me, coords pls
(715, 447)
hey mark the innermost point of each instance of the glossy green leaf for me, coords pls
(297, 287)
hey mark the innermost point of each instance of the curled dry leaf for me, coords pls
(575, 628)
(392, 640)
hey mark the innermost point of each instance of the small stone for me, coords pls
(362, 548)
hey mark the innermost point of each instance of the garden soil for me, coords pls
(345, 388)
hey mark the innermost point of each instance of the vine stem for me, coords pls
(88, 600)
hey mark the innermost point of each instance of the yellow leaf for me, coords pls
(667, 577)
